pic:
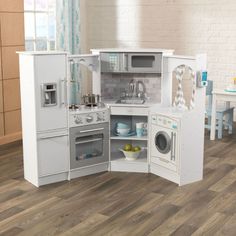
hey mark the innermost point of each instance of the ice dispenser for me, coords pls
(49, 94)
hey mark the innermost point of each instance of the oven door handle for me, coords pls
(91, 130)
(88, 141)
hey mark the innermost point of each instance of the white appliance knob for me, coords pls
(78, 120)
(89, 118)
(100, 117)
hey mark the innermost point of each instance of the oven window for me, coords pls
(89, 147)
(140, 61)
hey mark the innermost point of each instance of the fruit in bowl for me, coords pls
(131, 153)
(127, 147)
(136, 149)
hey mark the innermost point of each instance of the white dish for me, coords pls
(231, 88)
(127, 135)
(131, 156)
(123, 132)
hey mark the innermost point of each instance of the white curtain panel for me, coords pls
(68, 39)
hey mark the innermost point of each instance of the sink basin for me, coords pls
(130, 101)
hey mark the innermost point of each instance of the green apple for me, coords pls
(137, 149)
(128, 147)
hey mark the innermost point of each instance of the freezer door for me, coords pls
(53, 154)
(51, 92)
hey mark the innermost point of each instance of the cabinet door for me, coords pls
(50, 74)
(53, 155)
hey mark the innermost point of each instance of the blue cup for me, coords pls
(139, 132)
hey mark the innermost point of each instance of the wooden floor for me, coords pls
(121, 203)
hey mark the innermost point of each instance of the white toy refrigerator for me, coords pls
(44, 116)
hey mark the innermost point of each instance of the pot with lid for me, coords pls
(91, 99)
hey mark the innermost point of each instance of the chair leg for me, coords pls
(230, 122)
(227, 118)
(220, 127)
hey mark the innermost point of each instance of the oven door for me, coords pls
(89, 145)
(144, 62)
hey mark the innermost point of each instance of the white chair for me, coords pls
(224, 117)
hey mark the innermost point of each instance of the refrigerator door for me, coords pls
(51, 92)
(53, 154)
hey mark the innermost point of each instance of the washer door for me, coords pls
(163, 142)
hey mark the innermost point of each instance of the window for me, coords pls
(40, 25)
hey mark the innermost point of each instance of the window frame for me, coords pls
(49, 11)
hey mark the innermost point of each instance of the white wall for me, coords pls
(188, 26)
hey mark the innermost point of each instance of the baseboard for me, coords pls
(88, 170)
(10, 138)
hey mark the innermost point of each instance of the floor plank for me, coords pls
(121, 203)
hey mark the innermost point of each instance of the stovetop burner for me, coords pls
(73, 107)
(89, 107)
(80, 115)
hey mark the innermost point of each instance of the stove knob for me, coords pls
(78, 120)
(89, 118)
(100, 117)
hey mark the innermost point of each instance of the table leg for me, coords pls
(227, 116)
(213, 118)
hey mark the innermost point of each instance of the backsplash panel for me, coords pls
(113, 85)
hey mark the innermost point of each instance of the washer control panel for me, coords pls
(164, 121)
(94, 117)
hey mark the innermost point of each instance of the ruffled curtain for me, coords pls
(68, 39)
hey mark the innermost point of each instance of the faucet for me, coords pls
(140, 89)
(132, 86)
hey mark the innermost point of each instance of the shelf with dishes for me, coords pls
(132, 137)
(129, 127)
(128, 143)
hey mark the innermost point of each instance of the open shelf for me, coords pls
(119, 163)
(143, 138)
(118, 160)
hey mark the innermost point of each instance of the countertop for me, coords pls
(114, 104)
(135, 50)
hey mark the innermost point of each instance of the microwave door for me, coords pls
(144, 63)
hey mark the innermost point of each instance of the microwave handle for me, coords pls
(125, 61)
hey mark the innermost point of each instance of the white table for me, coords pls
(219, 95)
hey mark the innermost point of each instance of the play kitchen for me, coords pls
(117, 127)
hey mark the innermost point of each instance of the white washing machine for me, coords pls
(165, 141)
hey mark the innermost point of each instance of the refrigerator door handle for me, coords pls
(63, 92)
(53, 136)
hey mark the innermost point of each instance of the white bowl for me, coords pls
(131, 156)
(123, 131)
